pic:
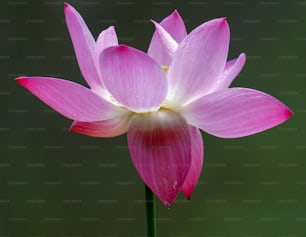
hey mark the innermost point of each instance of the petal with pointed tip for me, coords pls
(231, 71)
(175, 26)
(159, 144)
(198, 62)
(236, 112)
(84, 46)
(105, 128)
(107, 38)
(133, 78)
(166, 41)
(197, 157)
(71, 100)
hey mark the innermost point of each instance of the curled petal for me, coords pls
(236, 112)
(159, 144)
(231, 71)
(197, 158)
(84, 46)
(72, 100)
(105, 128)
(198, 62)
(175, 26)
(133, 78)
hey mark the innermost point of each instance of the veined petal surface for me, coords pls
(160, 148)
(198, 62)
(236, 112)
(197, 158)
(175, 26)
(105, 128)
(133, 78)
(84, 46)
(72, 100)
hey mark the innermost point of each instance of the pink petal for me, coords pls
(70, 99)
(175, 26)
(167, 42)
(133, 78)
(106, 128)
(197, 156)
(198, 62)
(159, 145)
(236, 112)
(231, 71)
(107, 38)
(84, 46)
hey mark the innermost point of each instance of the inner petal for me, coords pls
(133, 78)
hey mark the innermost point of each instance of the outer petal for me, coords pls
(231, 71)
(236, 112)
(159, 145)
(198, 62)
(197, 157)
(84, 46)
(133, 78)
(175, 26)
(106, 128)
(70, 99)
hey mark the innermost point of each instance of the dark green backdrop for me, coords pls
(54, 183)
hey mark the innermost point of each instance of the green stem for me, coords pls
(151, 213)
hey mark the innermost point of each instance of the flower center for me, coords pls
(165, 68)
(160, 114)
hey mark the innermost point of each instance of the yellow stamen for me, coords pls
(165, 68)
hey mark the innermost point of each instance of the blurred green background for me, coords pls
(54, 183)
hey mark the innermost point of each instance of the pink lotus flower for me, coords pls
(161, 110)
